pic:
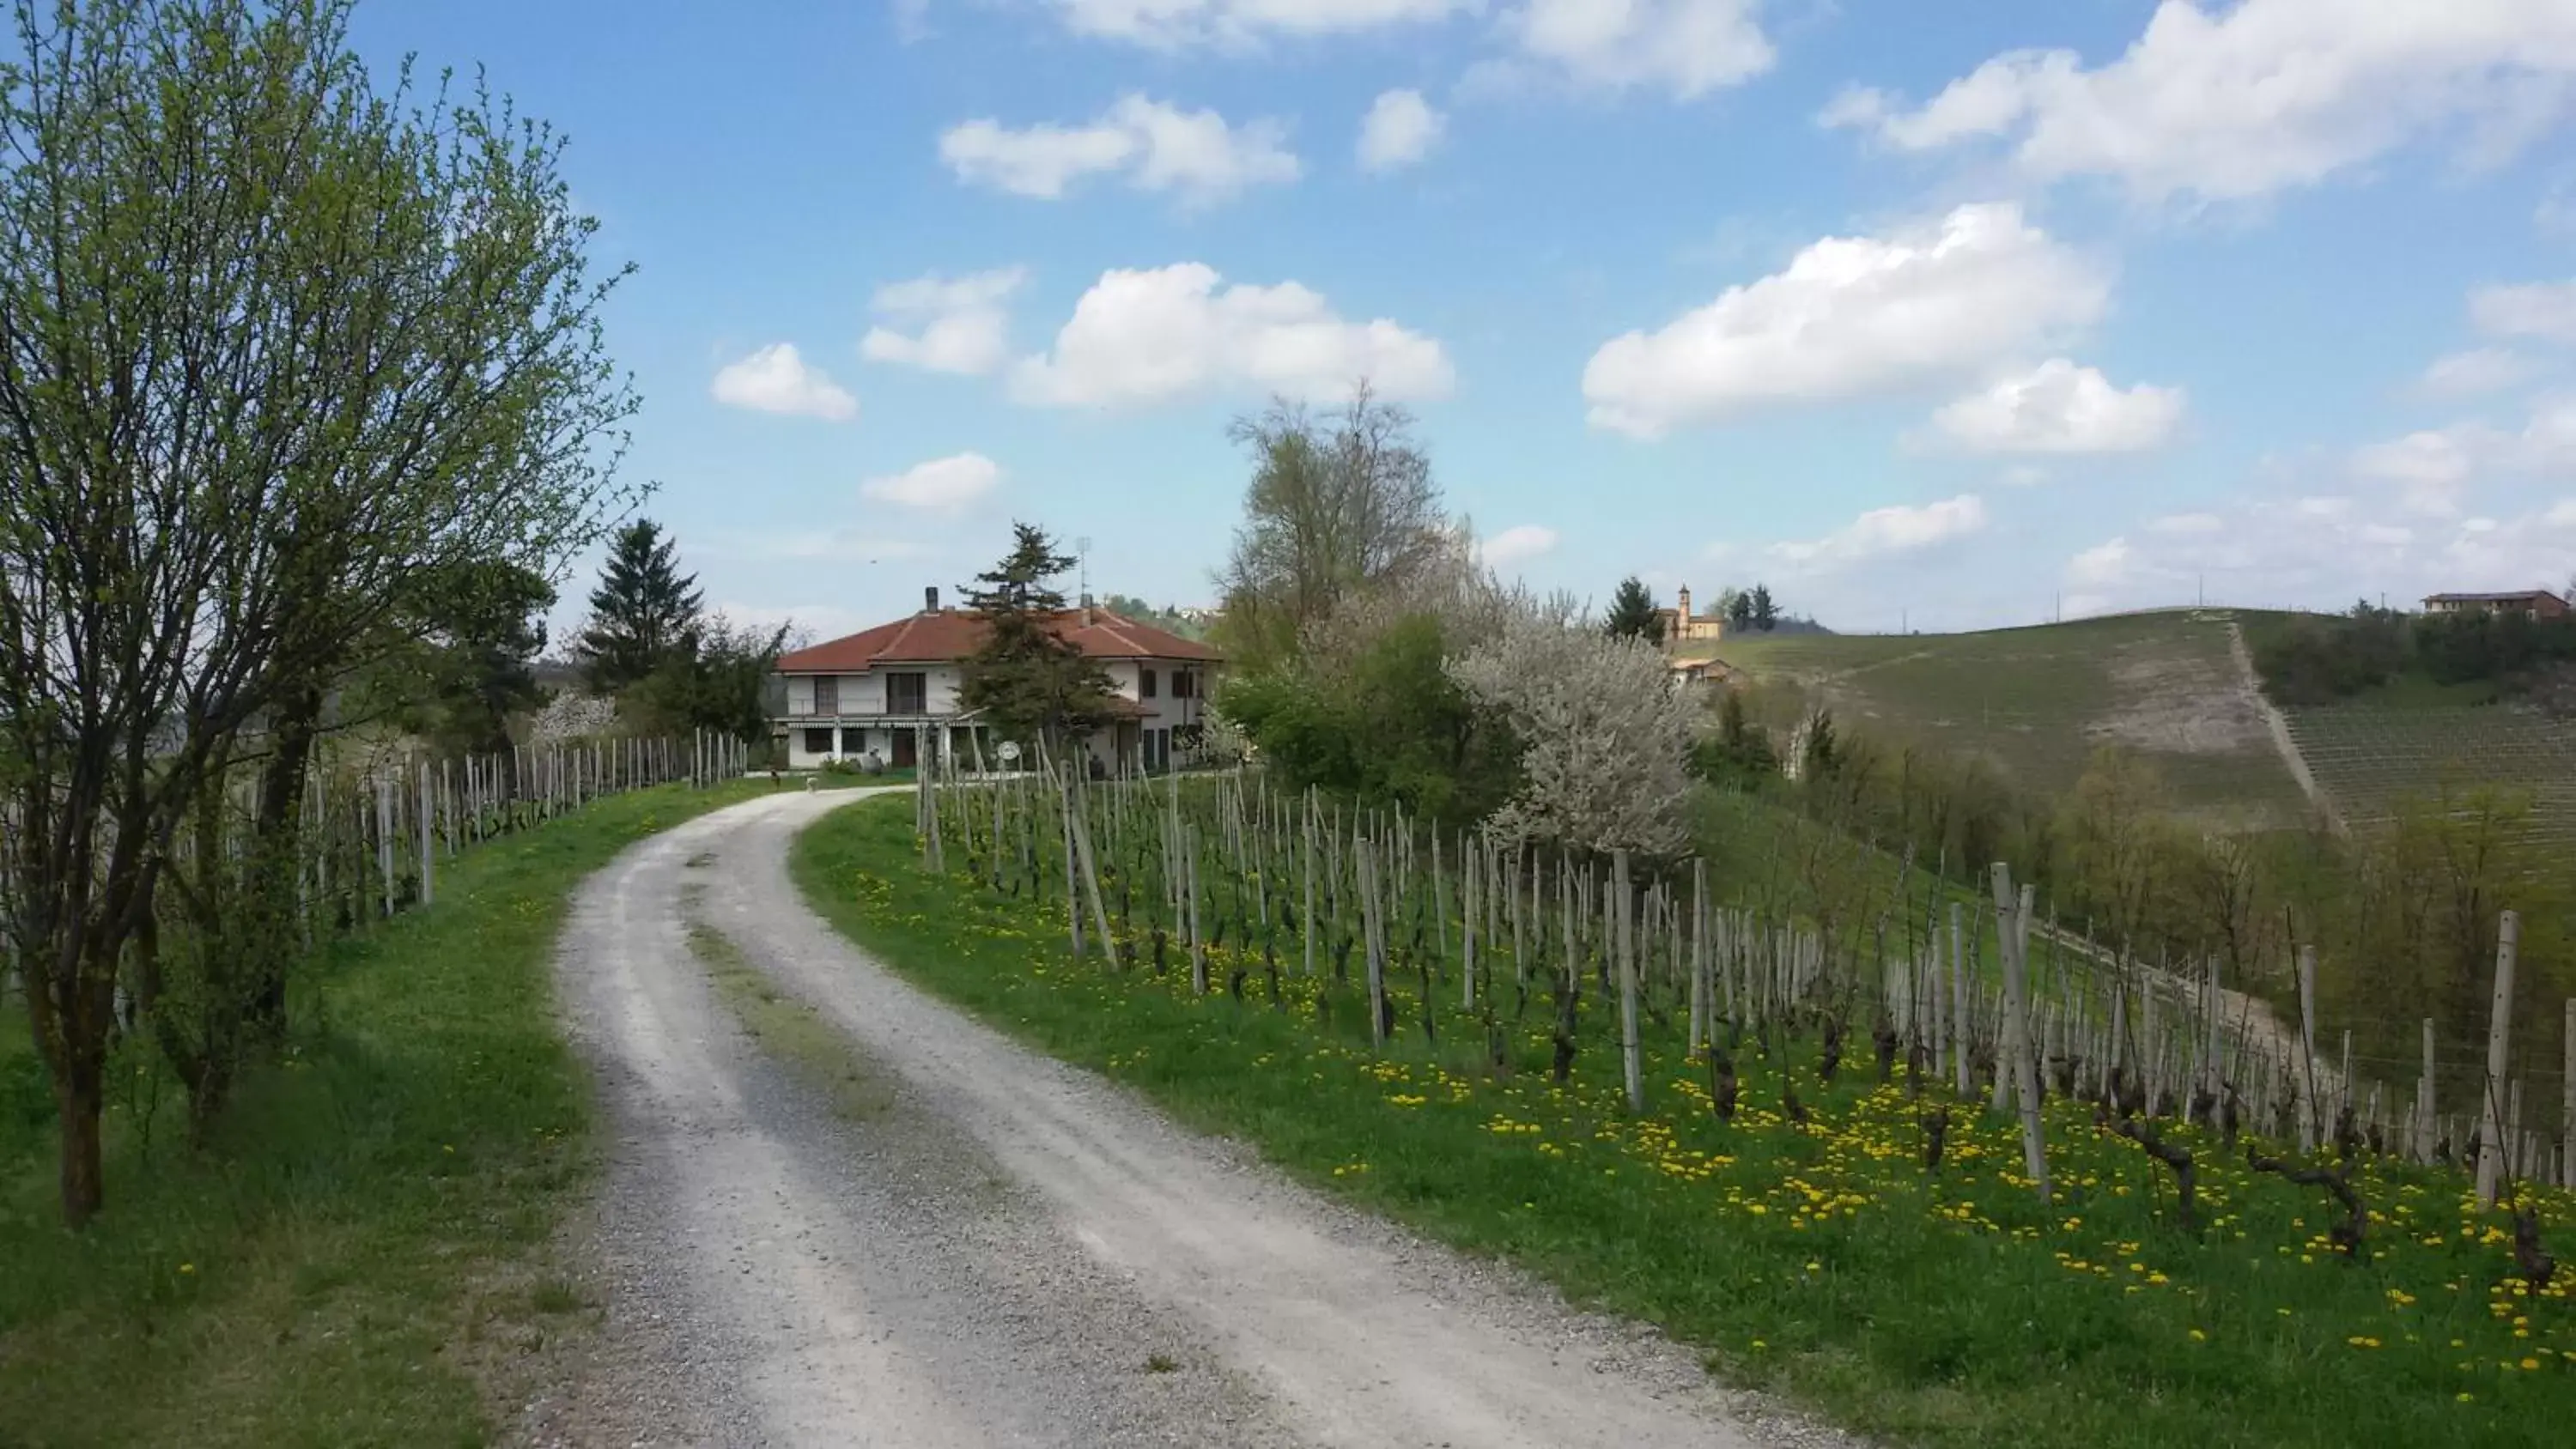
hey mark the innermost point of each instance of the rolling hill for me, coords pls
(2176, 687)
(2035, 702)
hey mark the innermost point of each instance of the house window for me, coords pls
(1185, 684)
(854, 741)
(907, 693)
(1145, 684)
(827, 694)
(818, 742)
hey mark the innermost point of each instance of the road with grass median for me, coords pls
(840, 1212)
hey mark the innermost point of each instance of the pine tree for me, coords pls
(1764, 614)
(1027, 679)
(643, 614)
(1633, 614)
(1739, 610)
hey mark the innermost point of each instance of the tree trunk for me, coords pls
(80, 1098)
(281, 815)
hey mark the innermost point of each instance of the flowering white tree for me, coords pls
(1605, 735)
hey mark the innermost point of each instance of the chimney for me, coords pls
(1088, 617)
(930, 599)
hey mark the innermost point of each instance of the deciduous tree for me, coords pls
(273, 345)
(1338, 503)
(1604, 736)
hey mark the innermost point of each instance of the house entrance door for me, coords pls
(907, 749)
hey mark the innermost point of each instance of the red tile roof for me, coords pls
(943, 636)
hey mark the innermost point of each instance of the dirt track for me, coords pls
(996, 1249)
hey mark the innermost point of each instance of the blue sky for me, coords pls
(1948, 316)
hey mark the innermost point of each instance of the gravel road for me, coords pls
(992, 1248)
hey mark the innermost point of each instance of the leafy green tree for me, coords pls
(714, 681)
(471, 664)
(642, 615)
(1739, 610)
(1390, 726)
(1026, 677)
(1740, 754)
(1633, 614)
(1760, 612)
(1338, 504)
(275, 345)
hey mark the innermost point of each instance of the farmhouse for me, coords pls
(1681, 626)
(883, 691)
(2530, 603)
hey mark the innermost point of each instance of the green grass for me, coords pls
(359, 1249)
(2035, 702)
(1824, 1263)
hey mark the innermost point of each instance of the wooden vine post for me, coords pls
(2012, 933)
(2499, 1034)
(1631, 1061)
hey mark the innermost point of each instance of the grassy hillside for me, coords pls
(2036, 702)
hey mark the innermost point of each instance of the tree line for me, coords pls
(2320, 659)
(307, 406)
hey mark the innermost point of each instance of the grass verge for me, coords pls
(1821, 1261)
(350, 1254)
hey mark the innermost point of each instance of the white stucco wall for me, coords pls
(864, 694)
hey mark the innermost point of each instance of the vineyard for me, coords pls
(2062, 1203)
(2368, 756)
(2036, 702)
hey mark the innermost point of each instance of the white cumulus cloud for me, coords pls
(2059, 407)
(945, 324)
(1684, 47)
(1195, 155)
(942, 484)
(1172, 24)
(1399, 131)
(1881, 532)
(2247, 99)
(2433, 468)
(2477, 370)
(776, 379)
(1516, 545)
(1156, 335)
(2103, 566)
(1852, 315)
(2545, 310)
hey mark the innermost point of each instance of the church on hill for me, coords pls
(1681, 626)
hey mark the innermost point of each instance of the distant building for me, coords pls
(1681, 626)
(2529, 603)
(886, 690)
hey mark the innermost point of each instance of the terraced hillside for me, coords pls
(2036, 702)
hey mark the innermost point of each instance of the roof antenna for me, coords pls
(1082, 566)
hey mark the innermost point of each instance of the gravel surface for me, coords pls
(1000, 1249)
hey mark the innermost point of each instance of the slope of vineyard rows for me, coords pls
(2036, 702)
(2368, 757)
